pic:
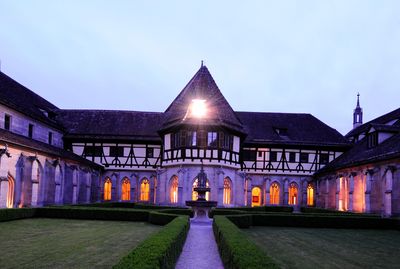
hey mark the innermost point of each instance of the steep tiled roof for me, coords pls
(6, 137)
(360, 154)
(20, 98)
(395, 114)
(301, 129)
(132, 125)
(202, 86)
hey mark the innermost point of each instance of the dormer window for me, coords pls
(372, 139)
(7, 122)
(30, 130)
(281, 131)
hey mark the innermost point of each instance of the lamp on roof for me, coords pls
(198, 108)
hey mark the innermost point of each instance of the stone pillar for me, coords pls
(248, 191)
(338, 193)
(219, 187)
(285, 192)
(326, 193)
(267, 193)
(351, 191)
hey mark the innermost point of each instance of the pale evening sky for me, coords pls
(272, 56)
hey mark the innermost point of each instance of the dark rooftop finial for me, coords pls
(358, 99)
(201, 63)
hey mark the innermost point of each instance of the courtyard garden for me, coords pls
(69, 243)
(292, 247)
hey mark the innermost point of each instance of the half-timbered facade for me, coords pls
(250, 158)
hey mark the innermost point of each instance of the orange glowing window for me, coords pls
(145, 190)
(174, 190)
(274, 194)
(126, 190)
(310, 195)
(256, 196)
(194, 193)
(227, 191)
(293, 194)
(107, 189)
(10, 192)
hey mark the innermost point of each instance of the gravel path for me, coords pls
(200, 250)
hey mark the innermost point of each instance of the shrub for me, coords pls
(155, 207)
(323, 221)
(178, 211)
(159, 218)
(217, 211)
(93, 213)
(287, 209)
(236, 250)
(241, 221)
(160, 250)
(8, 214)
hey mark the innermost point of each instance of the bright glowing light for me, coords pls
(199, 108)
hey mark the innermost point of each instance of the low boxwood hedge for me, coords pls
(286, 209)
(93, 213)
(8, 214)
(178, 211)
(323, 221)
(241, 221)
(159, 218)
(236, 250)
(219, 211)
(160, 250)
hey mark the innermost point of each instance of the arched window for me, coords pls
(195, 194)
(274, 194)
(57, 180)
(126, 189)
(227, 191)
(293, 194)
(256, 196)
(107, 189)
(35, 183)
(310, 195)
(174, 190)
(10, 193)
(145, 190)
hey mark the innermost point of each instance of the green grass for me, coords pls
(329, 248)
(66, 243)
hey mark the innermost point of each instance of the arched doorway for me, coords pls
(173, 190)
(256, 196)
(7, 192)
(57, 181)
(293, 194)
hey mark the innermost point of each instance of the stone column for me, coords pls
(351, 191)
(267, 193)
(285, 192)
(248, 192)
(338, 193)
(326, 193)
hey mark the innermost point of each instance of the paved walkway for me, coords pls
(200, 250)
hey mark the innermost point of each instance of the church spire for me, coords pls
(357, 115)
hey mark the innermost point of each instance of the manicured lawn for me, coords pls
(65, 243)
(329, 248)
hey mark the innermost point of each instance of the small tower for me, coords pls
(357, 115)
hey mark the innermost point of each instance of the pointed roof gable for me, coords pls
(202, 86)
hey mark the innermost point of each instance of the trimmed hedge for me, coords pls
(8, 214)
(241, 221)
(236, 250)
(156, 217)
(216, 211)
(287, 209)
(323, 221)
(178, 211)
(160, 250)
(92, 213)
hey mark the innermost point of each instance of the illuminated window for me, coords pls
(10, 192)
(145, 190)
(293, 194)
(310, 195)
(194, 193)
(274, 194)
(343, 194)
(107, 189)
(126, 189)
(256, 196)
(174, 190)
(227, 191)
